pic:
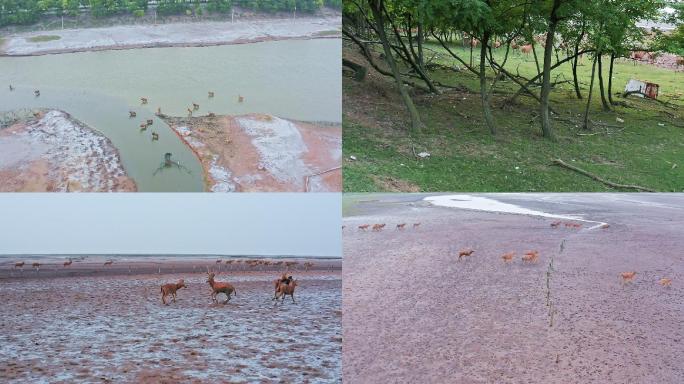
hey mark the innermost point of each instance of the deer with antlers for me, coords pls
(170, 289)
(219, 287)
(285, 286)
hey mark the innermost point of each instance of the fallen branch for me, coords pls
(306, 178)
(599, 179)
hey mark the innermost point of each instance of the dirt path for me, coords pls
(414, 313)
(262, 153)
(115, 329)
(171, 35)
(52, 152)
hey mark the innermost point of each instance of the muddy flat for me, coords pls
(114, 328)
(414, 313)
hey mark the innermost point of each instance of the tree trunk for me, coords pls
(547, 131)
(604, 101)
(536, 59)
(377, 9)
(421, 38)
(591, 88)
(575, 62)
(484, 94)
(610, 79)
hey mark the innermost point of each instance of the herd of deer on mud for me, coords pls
(284, 286)
(529, 257)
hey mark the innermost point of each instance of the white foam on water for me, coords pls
(479, 203)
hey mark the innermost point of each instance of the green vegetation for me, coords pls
(17, 12)
(495, 91)
(42, 38)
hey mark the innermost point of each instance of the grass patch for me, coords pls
(646, 150)
(43, 38)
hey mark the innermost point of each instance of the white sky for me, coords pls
(197, 223)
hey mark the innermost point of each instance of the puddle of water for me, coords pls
(295, 79)
(479, 203)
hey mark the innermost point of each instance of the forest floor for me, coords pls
(414, 312)
(638, 143)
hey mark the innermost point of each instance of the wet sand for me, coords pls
(114, 328)
(52, 152)
(414, 313)
(173, 35)
(263, 153)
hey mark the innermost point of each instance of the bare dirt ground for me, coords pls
(115, 329)
(264, 153)
(414, 313)
(172, 35)
(52, 152)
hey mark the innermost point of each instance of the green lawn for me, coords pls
(43, 38)
(647, 149)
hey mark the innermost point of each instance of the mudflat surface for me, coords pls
(169, 35)
(115, 329)
(263, 153)
(52, 152)
(414, 313)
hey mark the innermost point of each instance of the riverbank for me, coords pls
(169, 35)
(414, 312)
(116, 329)
(263, 153)
(49, 151)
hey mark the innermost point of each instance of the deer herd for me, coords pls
(284, 286)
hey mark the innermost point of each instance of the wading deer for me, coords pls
(189, 112)
(143, 127)
(11, 87)
(218, 287)
(143, 100)
(627, 277)
(155, 136)
(465, 253)
(211, 94)
(150, 121)
(195, 106)
(36, 93)
(132, 114)
(364, 227)
(170, 289)
(240, 99)
(211, 114)
(401, 226)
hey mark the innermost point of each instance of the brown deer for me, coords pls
(627, 277)
(218, 287)
(465, 253)
(170, 289)
(240, 99)
(530, 257)
(308, 265)
(218, 261)
(109, 262)
(283, 290)
(526, 49)
(416, 225)
(143, 127)
(211, 114)
(378, 227)
(506, 257)
(195, 106)
(35, 265)
(665, 282)
(189, 112)
(555, 224)
(401, 226)
(68, 263)
(159, 111)
(364, 227)
(19, 264)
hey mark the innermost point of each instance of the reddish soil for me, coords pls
(233, 159)
(115, 329)
(414, 313)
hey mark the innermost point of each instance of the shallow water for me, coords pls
(295, 79)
